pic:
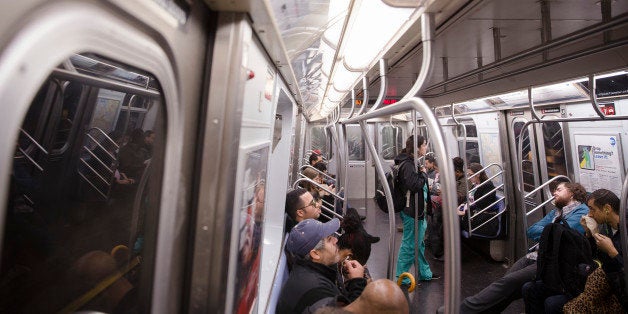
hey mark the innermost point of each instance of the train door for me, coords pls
(390, 142)
(542, 156)
(361, 170)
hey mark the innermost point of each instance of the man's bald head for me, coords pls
(380, 296)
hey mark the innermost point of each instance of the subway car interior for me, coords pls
(148, 146)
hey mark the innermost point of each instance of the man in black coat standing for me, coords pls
(312, 282)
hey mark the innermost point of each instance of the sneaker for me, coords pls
(400, 228)
(434, 277)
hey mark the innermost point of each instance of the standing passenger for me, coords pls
(435, 221)
(415, 183)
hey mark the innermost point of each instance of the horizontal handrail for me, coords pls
(533, 210)
(89, 151)
(94, 172)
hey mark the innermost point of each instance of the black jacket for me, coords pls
(414, 181)
(613, 266)
(485, 202)
(309, 283)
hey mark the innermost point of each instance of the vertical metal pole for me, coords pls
(391, 213)
(417, 270)
(622, 225)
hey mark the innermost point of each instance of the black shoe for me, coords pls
(439, 258)
(362, 217)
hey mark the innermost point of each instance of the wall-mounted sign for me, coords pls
(550, 110)
(608, 109)
(390, 101)
(599, 163)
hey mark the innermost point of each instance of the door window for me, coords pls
(80, 224)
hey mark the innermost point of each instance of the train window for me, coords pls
(318, 140)
(355, 143)
(64, 116)
(392, 141)
(81, 224)
(472, 149)
(526, 156)
(554, 149)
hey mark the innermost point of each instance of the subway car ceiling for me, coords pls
(480, 49)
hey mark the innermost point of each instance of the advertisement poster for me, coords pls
(251, 217)
(491, 153)
(599, 163)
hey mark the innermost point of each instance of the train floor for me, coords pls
(478, 269)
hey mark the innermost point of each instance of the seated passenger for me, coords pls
(312, 282)
(133, 155)
(300, 205)
(484, 187)
(477, 202)
(604, 291)
(322, 167)
(569, 201)
(315, 158)
(380, 296)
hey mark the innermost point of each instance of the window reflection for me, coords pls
(84, 193)
(355, 143)
(318, 139)
(392, 142)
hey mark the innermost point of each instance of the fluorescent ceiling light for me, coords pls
(374, 26)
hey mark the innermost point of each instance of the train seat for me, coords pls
(280, 278)
(502, 229)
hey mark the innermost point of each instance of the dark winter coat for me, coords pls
(309, 283)
(414, 181)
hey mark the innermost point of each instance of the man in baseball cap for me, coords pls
(311, 283)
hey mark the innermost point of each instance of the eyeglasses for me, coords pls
(312, 203)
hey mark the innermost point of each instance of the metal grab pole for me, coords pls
(391, 213)
(448, 188)
(622, 226)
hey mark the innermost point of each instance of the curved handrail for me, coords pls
(383, 84)
(365, 94)
(450, 218)
(427, 41)
(528, 213)
(352, 104)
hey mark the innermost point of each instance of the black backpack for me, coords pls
(564, 259)
(399, 196)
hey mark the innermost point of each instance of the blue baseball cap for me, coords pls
(305, 235)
